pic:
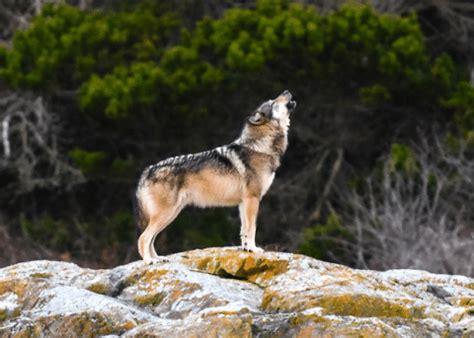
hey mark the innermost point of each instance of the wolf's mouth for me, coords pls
(291, 105)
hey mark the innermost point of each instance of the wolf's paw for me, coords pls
(252, 248)
(155, 260)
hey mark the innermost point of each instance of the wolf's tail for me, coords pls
(141, 219)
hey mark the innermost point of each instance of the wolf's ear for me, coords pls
(257, 119)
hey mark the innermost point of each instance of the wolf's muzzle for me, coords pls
(291, 105)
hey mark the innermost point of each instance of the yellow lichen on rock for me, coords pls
(226, 292)
(149, 287)
(361, 305)
(84, 325)
(356, 305)
(16, 286)
(228, 326)
(258, 268)
(6, 313)
(464, 301)
(100, 288)
(41, 275)
(222, 326)
(345, 330)
(150, 299)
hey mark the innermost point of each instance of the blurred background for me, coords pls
(379, 173)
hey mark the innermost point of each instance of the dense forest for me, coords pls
(379, 172)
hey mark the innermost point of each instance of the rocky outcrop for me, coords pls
(224, 292)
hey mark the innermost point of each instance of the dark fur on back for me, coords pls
(191, 162)
(188, 163)
(236, 174)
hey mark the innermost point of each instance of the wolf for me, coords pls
(236, 174)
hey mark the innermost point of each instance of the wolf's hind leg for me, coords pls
(157, 224)
(152, 248)
(144, 244)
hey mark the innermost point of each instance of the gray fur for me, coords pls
(237, 174)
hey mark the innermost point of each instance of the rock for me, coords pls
(225, 292)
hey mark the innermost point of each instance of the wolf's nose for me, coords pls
(287, 94)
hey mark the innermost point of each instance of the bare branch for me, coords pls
(5, 137)
(421, 219)
(29, 140)
(327, 188)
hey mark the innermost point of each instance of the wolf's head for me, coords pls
(275, 111)
(266, 129)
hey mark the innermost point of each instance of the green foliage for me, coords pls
(323, 238)
(80, 237)
(462, 101)
(374, 95)
(89, 162)
(98, 163)
(383, 55)
(143, 84)
(119, 62)
(444, 71)
(117, 93)
(66, 46)
(402, 158)
(202, 228)
(46, 230)
(117, 228)
(122, 167)
(3, 57)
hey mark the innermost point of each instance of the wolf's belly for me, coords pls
(208, 189)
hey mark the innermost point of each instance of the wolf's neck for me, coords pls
(273, 144)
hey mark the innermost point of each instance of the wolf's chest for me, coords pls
(266, 182)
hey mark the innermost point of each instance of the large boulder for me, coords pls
(225, 292)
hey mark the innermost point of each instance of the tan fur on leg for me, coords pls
(144, 245)
(239, 173)
(250, 210)
(157, 224)
(243, 227)
(152, 248)
(141, 245)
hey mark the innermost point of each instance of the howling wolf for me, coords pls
(238, 173)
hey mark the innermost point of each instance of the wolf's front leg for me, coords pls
(248, 216)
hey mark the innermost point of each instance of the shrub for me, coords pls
(414, 219)
(66, 46)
